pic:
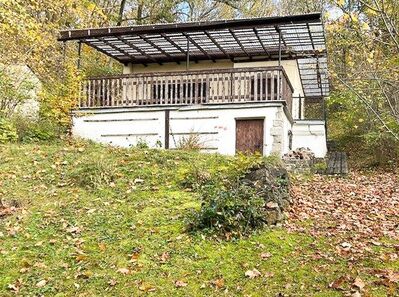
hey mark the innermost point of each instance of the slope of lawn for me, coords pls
(98, 221)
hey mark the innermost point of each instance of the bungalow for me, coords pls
(254, 85)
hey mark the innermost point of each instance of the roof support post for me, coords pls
(78, 63)
(188, 55)
(279, 65)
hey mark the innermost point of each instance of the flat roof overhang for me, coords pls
(298, 37)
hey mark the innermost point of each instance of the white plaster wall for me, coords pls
(110, 127)
(224, 123)
(216, 123)
(312, 135)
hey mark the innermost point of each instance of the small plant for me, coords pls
(191, 142)
(142, 144)
(320, 167)
(93, 174)
(158, 144)
(8, 132)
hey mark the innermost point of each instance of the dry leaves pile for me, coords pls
(355, 212)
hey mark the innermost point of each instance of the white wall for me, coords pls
(120, 127)
(312, 135)
(215, 125)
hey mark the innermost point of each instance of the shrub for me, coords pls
(93, 174)
(8, 132)
(228, 204)
(142, 144)
(233, 208)
(320, 167)
(30, 130)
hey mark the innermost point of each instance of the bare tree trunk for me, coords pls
(139, 18)
(121, 11)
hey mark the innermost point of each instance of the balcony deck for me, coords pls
(216, 86)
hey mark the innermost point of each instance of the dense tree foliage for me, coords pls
(363, 43)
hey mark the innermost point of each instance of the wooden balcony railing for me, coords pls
(188, 88)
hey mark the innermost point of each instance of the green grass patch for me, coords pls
(101, 221)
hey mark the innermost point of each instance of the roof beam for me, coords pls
(199, 47)
(310, 35)
(102, 51)
(278, 30)
(138, 49)
(176, 45)
(146, 39)
(218, 45)
(239, 43)
(119, 49)
(261, 42)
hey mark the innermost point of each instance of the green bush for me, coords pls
(320, 167)
(230, 209)
(30, 130)
(8, 132)
(228, 205)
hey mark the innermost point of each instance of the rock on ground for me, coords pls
(272, 184)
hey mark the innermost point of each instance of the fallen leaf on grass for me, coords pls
(41, 284)
(134, 257)
(252, 273)
(102, 247)
(346, 245)
(138, 181)
(265, 256)
(15, 287)
(124, 271)
(359, 283)
(180, 284)
(164, 257)
(146, 288)
(268, 274)
(112, 283)
(74, 230)
(337, 284)
(218, 283)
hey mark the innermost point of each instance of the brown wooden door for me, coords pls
(249, 136)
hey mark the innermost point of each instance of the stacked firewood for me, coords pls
(299, 154)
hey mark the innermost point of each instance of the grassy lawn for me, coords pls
(125, 235)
